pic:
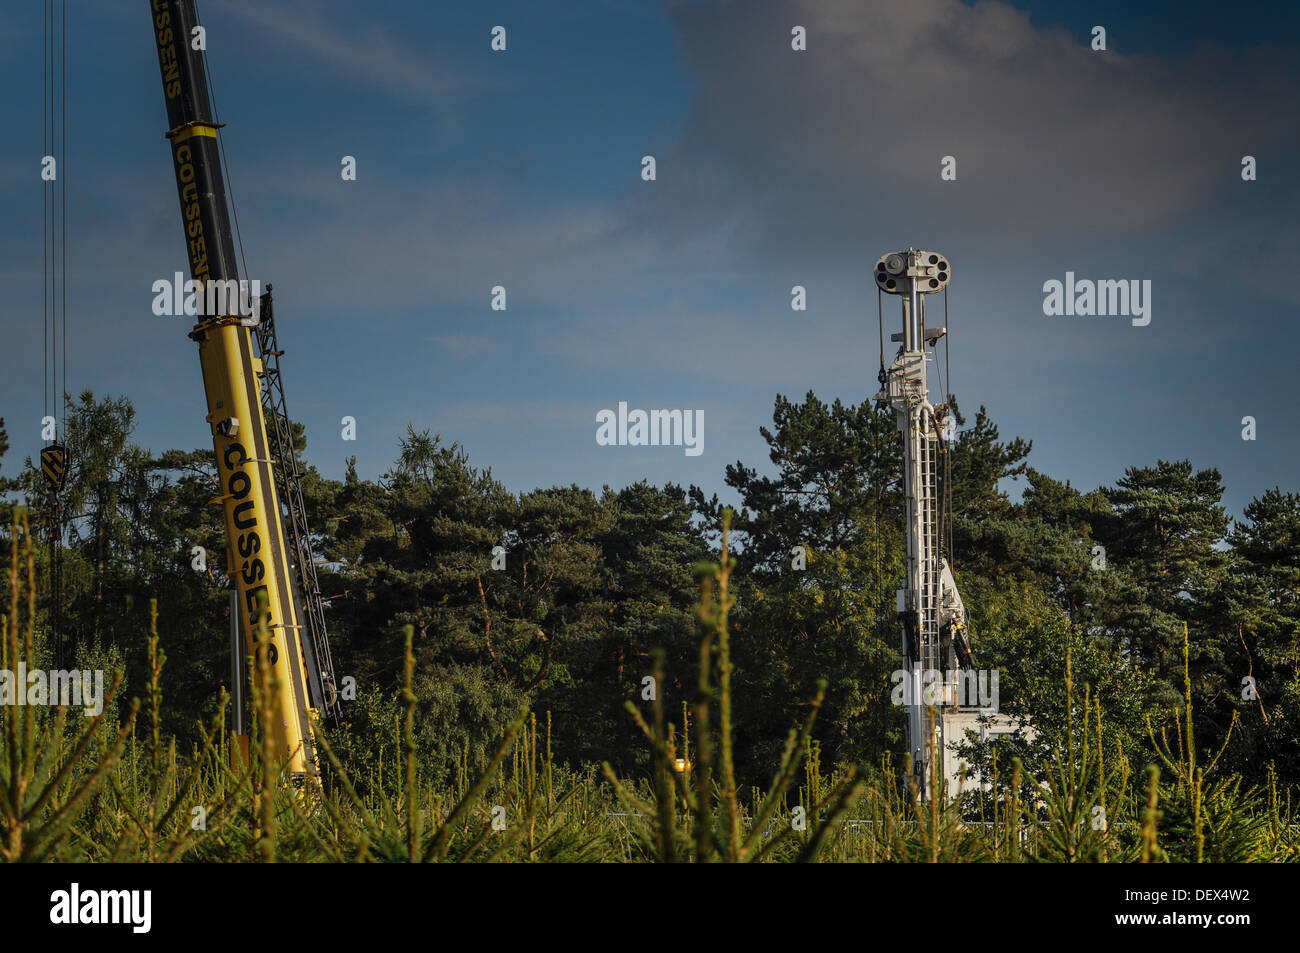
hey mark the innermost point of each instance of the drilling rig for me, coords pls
(935, 641)
(269, 557)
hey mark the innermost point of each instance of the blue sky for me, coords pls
(775, 168)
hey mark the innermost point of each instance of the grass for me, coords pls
(104, 790)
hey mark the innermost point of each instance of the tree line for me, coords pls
(556, 597)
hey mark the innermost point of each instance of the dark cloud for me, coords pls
(802, 151)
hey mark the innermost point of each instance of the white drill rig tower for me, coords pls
(935, 643)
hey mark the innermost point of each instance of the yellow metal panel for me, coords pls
(258, 557)
(184, 134)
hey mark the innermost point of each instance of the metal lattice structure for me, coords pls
(315, 642)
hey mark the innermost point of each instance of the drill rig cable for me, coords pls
(880, 319)
(947, 340)
(947, 457)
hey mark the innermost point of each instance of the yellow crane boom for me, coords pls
(268, 550)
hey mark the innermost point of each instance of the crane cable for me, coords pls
(54, 217)
(63, 208)
(221, 146)
(45, 218)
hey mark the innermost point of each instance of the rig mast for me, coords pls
(935, 642)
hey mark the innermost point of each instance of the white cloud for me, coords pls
(370, 52)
